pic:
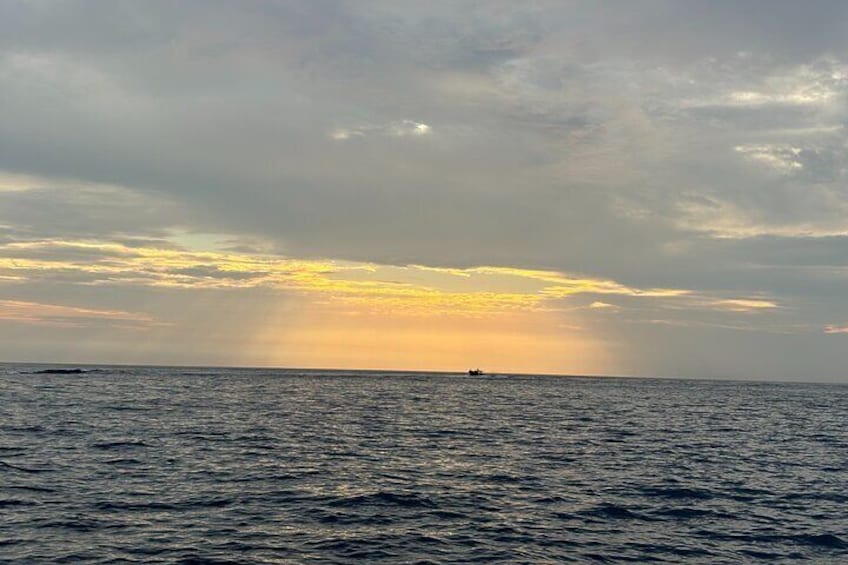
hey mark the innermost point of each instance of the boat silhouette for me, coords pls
(475, 372)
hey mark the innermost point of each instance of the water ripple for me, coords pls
(141, 465)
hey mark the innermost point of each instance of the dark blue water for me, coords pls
(148, 465)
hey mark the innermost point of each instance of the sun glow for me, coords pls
(330, 313)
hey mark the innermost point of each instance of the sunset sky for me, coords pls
(646, 187)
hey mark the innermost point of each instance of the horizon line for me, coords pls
(421, 371)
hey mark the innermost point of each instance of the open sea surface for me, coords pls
(177, 465)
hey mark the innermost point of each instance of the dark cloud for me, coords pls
(660, 143)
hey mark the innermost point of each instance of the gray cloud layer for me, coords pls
(661, 143)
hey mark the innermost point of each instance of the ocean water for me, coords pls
(175, 465)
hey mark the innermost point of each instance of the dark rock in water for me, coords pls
(60, 372)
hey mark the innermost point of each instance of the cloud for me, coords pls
(67, 316)
(527, 122)
(402, 128)
(745, 304)
(399, 290)
(782, 158)
(406, 128)
(109, 263)
(563, 151)
(345, 134)
(597, 305)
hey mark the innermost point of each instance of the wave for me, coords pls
(20, 469)
(683, 512)
(120, 444)
(429, 469)
(610, 511)
(677, 493)
(7, 503)
(830, 541)
(28, 488)
(384, 498)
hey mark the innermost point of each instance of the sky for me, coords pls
(650, 187)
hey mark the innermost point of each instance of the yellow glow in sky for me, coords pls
(273, 310)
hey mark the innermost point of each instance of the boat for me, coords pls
(475, 372)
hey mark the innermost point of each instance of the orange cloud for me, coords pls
(378, 287)
(59, 315)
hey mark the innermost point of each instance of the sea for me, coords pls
(199, 465)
